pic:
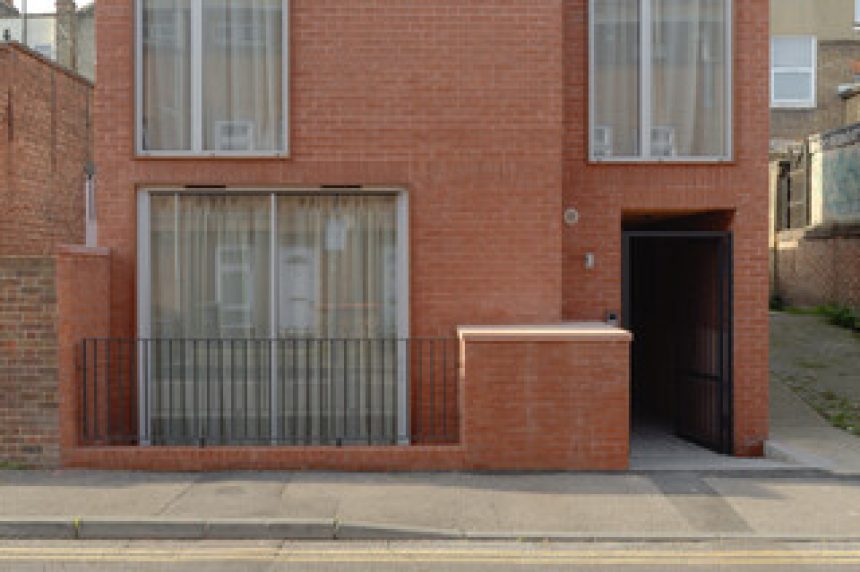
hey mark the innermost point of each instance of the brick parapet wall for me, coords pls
(45, 144)
(814, 270)
(29, 423)
(83, 305)
(527, 404)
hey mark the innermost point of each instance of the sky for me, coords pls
(44, 6)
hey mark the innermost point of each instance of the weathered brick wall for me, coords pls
(812, 271)
(29, 429)
(45, 143)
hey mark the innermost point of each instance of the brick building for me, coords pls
(389, 235)
(45, 148)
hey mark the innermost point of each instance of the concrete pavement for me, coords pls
(573, 506)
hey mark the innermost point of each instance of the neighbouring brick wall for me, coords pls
(29, 423)
(812, 270)
(45, 144)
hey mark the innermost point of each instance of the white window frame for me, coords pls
(196, 37)
(811, 70)
(144, 286)
(857, 15)
(645, 119)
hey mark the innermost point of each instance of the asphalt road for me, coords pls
(435, 556)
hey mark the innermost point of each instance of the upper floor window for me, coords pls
(212, 77)
(792, 71)
(857, 15)
(660, 80)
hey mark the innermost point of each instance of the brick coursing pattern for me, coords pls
(29, 425)
(45, 144)
(817, 271)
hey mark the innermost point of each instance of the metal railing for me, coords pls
(282, 392)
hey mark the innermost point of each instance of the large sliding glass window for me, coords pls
(212, 77)
(660, 80)
(273, 316)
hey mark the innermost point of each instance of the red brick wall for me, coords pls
(457, 101)
(820, 270)
(83, 305)
(603, 193)
(546, 405)
(45, 143)
(29, 426)
(477, 108)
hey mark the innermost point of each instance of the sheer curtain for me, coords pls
(166, 61)
(615, 131)
(210, 279)
(338, 367)
(337, 284)
(242, 75)
(689, 78)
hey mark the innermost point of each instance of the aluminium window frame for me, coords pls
(645, 93)
(812, 70)
(144, 283)
(196, 40)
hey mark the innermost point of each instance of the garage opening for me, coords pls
(677, 303)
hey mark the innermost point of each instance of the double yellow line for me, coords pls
(528, 556)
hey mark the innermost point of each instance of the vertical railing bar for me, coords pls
(282, 372)
(345, 427)
(382, 389)
(419, 398)
(170, 390)
(118, 365)
(133, 383)
(445, 348)
(307, 391)
(369, 391)
(208, 389)
(295, 382)
(432, 388)
(233, 423)
(195, 417)
(107, 388)
(147, 382)
(394, 382)
(84, 397)
(322, 393)
(245, 392)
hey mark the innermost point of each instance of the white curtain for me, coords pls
(615, 131)
(335, 367)
(166, 61)
(242, 75)
(689, 78)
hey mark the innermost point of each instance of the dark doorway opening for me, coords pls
(677, 302)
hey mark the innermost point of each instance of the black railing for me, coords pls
(294, 391)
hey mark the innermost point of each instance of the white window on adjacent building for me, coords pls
(857, 15)
(660, 80)
(212, 77)
(792, 71)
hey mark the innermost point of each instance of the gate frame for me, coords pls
(725, 253)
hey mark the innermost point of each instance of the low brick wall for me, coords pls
(818, 267)
(551, 398)
(29, 422)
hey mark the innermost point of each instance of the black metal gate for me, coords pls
(678, 303)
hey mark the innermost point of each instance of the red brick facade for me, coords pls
(45, 145)
(479, 111)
